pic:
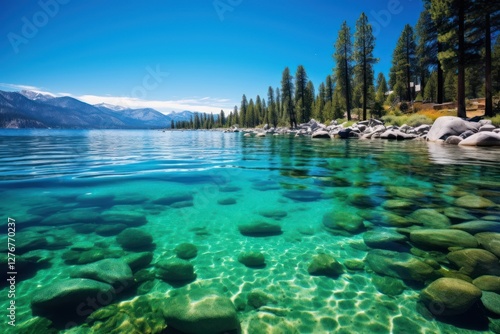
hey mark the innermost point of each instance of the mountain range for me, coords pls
(28, 109)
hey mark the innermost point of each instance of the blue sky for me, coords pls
(175, 55)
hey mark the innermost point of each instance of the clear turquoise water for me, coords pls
(44, 173)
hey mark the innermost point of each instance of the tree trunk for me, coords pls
(440, 79)
(488, 111)
(365, 74)
(461, 109)
(347, 94)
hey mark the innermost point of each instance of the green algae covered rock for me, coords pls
(112, 271)
(450, 296)
(478, 226)
(175, 270)
(489, 241)
(325, 265)
(67, 295)
(137, 316)
(488, 283)
(473, 202)
(443, 238)
(491, 301)
(134, 239)
(252, 259)
(258, 298)
(475, 262)
(200, 311)
(341, 222)
(260, 229)
(388, 285)
(186, 251)
(430, 218)
(399, 265)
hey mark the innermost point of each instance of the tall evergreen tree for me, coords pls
(300, 94)
(404, 63)
(428, 48)
(243, 111)
(259, 111)
(319, 105)
(329, 88)
(450, 86)
(431, 88)
(309, 100)
(287, 97)
(364, 44)
(222, 119)
(381, 88)
(343, 60)
(495, 61)
(271, 106)
(250, 114)
(279, 105)
(236, 116)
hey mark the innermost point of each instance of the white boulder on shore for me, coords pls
(447, 129)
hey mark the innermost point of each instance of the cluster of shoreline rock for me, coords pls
(447, 129)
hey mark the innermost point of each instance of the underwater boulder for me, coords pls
(260, 229)
(399, 265)
(385, 239)
(478, 226)
(129, 317)
(475, 262)
(175, 270)
(488, 283)
(201, 311)
(138, 261)
(186, 251)
(491, 301)
(430, 218)
(68, 296)
(173, 199)
(130, 218)
(227, 201)
(252, 259)
(473, 202)
(442, 238)
(342, 222)
(489, 241)
(112, 271)
(325, 265)
(387, 285)
(450, 296)
(303, 195)
(134, 239)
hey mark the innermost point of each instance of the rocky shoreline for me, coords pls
(447, 129)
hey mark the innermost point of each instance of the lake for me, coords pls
(295, 201)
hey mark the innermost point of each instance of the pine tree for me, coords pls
(343, 60)
(287, 97)
(319, 105)
(250, 115)
(243, 111)
(279, 106)
(300, 93)
(495, 61)
(364, 44)
(431, 88)
(428, 48)
(259, 113)
(329, 88)
(271, 105)
(450, 86)
(222, 119)
(381, 89)
(309, 100)
(236, 117)
(404, 63)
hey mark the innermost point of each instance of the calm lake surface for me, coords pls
(65, 189)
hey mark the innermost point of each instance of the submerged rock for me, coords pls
(458, 213)
(252, 259)
(175, 270)
(406, 192)
(273, 214)
(130, 219)
(388, 285)
(303, 195)
(226, 201)
(399, 265)
(396, 204)
(475, 262)
(134, 239)
(490, 241)
(338, 221)
(260, 229)
(186, 251)
(385, 239)
(430, 218)
(491, 301)
(488, 283)
(442, 238)
(112, 271)
(139, 315)
(173, 199)
(473, 202)
(200, 311)
(450, 296)
(325, 265)
(138, 261)
(478, 226)
(68, 296)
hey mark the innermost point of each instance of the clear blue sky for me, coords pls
(205, 53)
